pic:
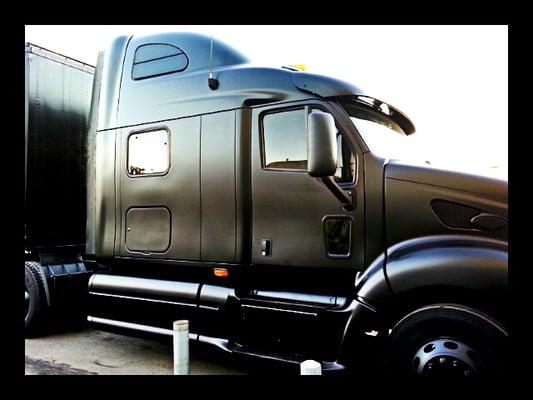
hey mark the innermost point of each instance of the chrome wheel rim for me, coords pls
(446, 356)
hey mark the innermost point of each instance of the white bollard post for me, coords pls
(310, 367)
(181, 347)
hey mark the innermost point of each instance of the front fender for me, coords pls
(459, 263)
(466, 262)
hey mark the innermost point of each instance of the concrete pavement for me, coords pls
(88, 351)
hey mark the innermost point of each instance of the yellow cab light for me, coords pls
(300, 67)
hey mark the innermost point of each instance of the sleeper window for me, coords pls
(157, 59)
(148, 153)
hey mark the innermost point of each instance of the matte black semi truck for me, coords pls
(248, 201)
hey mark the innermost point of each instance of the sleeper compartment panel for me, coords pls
(148, 229)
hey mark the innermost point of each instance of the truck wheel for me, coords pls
(35, 299)
(447, 340)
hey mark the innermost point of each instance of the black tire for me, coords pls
(36, 304)
(415, 341)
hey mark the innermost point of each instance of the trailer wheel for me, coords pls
(35, 299)
(447, 340)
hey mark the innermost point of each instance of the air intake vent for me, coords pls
(454, 215)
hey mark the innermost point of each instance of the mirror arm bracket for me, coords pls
(344, 197)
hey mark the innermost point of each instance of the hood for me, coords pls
(490, 188)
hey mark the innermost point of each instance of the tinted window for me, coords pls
(285, 145)
(148, 153)
(158, 59)
(338, 236)
(285, 140)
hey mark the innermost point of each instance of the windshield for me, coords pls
(382, 135)
(386, 139)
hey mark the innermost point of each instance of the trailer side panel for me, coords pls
(58, 94)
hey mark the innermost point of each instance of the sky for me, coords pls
(452, 81)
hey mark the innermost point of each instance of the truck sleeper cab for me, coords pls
(254, 208)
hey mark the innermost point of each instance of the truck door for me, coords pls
(300, 232)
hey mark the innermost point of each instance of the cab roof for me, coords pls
(186, 92)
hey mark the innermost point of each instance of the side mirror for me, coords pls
(322, 154)
(321, 144)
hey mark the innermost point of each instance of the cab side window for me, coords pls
(285, 145)
(345, 162)
(285, 140)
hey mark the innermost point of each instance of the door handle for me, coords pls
(266, 247)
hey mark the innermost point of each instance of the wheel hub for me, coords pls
(446, 357)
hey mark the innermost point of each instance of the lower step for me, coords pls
(222, 344)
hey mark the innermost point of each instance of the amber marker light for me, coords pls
(221, 272)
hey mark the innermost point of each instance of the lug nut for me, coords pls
(467, 372)
(455, 363)
(442, 361)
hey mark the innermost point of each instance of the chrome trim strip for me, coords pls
(142, 299)
(304, 298)
(220, 343)
(204, 307)
(136, 327)
(281, 309)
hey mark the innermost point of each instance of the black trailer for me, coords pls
(57, 104)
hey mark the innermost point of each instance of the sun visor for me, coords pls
(325, 86)
(387, 111)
